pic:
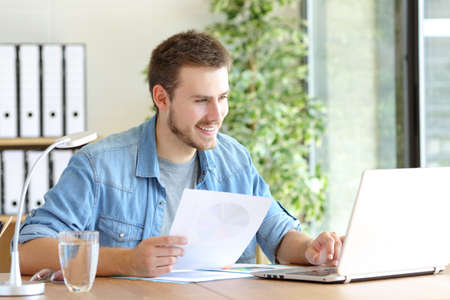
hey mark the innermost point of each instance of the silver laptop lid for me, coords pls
(400, 221)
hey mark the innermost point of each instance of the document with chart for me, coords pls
(218, 226)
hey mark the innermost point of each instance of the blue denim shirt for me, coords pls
(113, 186)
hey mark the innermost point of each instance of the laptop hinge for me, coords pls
(347, 279)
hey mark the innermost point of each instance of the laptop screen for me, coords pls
(400, 221)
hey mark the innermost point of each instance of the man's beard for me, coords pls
(185, 138)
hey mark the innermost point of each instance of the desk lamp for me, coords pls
(15, 286)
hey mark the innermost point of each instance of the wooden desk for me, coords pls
(111, 289)
(419, 287)
(411, 288)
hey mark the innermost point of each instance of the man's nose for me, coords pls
(214, 111)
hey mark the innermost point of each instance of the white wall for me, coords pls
(119, 36)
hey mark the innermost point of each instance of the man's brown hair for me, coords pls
(188, 48)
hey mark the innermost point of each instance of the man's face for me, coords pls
(198, 106)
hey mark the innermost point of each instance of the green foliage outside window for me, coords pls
(270, 111)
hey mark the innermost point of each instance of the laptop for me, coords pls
(399, 227)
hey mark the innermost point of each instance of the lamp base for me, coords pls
(26, 289)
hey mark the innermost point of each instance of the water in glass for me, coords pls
(78, 255)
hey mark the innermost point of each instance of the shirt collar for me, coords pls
(207, 164)
(147, 155)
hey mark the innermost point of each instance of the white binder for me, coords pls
(39, 183)
(13, 179)
(59, 160)
(29, 91)
(75, 88)
(8, 92)
(52, 91)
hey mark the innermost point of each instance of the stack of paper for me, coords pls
(235, 271)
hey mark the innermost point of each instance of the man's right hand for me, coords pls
(156, 255)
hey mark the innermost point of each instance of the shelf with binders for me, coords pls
(14, 144)
(51, 168)
(16, 152)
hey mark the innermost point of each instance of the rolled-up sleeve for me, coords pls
(68, 205)
(276, 223)
(273, 228)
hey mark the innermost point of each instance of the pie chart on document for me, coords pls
(222, 221)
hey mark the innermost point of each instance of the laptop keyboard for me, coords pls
(317, 272)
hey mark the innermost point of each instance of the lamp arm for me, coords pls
(15, 276)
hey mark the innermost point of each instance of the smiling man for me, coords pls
(128, 186)
(191, 120)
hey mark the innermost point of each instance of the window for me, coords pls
(434, 74)
(354, 71)
(383, 72)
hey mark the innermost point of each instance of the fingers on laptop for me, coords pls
(328, 248)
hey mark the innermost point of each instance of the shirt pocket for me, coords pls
(119, 234)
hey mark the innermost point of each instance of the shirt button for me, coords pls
(160, 203)
(121, 235)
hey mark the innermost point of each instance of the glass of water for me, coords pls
(78, 256)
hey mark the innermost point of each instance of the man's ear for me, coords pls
(160, 97)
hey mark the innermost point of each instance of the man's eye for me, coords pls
(224, 97)
(201, 100)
